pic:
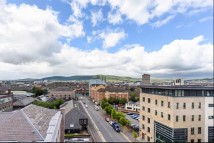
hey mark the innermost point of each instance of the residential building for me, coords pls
(95, 92)
(61, 94)
(116, 92)
(132, 106)
(21, 103)
(32, 124)
(6, 101)
(177, 114)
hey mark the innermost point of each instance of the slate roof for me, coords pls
(28, 124)
(24, 102)
(72, 117)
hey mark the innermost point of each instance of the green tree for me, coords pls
(122, 101)
(104, 104)
(134, 135)
(122, 121)
(111, 100)
(113, 113)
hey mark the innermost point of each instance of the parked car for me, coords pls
(136, 128)
(110, 122)
(107, 119)
(116, 127)
(130, 113)
(135, 117)
(132, 125)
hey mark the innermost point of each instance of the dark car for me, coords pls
(116, 127)
(130, 113)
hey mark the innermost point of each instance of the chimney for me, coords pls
(62, 129)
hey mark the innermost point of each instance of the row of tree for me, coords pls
(112, 101)
(51, 105)
(119, 116)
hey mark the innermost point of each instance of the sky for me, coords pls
(164, 38)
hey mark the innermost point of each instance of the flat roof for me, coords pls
(181, 87)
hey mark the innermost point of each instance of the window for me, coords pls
(143, 117)
(148, 139)
(199, 140)
(169, 117)
(148, 110)
(199, 117)
(192, 105)
(199, 105)
(192, 131)
(148, 129)
(143, 108)
(148, 120)
(199, 130)
(192, 140)
(211, 105)
(176, 118)
(156, 112)
(184, 105)
(143, 99)
(177, 105)
(184, 118)
(156, 102)
(192, 117)
(169, 105)
(162, 103)
(143, 127)
(162, 114)
(149, 100)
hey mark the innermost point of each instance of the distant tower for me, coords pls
(145, 79)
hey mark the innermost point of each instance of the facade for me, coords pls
(132, 106)
(95, 92)
(60, 94)
(176, 114)
(116, 92)
(6, 101)
(31, 124)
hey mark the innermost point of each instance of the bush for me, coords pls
(51, 105)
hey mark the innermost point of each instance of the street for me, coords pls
(109, 134)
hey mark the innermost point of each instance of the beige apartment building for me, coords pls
(177, 114)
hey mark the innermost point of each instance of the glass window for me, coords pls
(184, 118)
(156, 112)
(192, 131)
(143, 99)
(148, 120)
(177, 105)
(184, 105)
(162, 103)
(143, 126)
(199, 105)
(156, 102)
(199, 130)
(162, 114)
(199, 140)
(176, 118)
(148, 129)
(192, 105)
(149, 100)
(169, 117)
(149, 110)
(199, 117)
(169, 105)
(192, 140)
(192, 117)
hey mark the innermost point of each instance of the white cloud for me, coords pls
(96, 17)
(144, 11)
(114, 18)
(206, 19)
(162, 22)
(110, 39)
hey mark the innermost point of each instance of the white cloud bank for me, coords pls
(29, 47)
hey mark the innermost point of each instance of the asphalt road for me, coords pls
(109, 134)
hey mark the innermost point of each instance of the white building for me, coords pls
(132, 106)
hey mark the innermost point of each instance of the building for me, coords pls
(61, 94)
(95, 82)
(32, 124)
(132, 106)
(6, 101)
(116, 92)
(145, 79)
(21, 103)
(177, 114)
(96, 93)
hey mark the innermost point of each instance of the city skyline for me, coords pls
(89, 37)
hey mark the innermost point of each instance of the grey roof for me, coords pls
(29, 124)
(115, 89)
(24, 102)
(72, 117)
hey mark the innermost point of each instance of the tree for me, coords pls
(108, 109)
(122, 121)
(122, 101)
(39, 91)
(113, 113)
(110, 100)
(134, 135)
(104, 103)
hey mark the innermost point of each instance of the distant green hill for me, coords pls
(108, 78)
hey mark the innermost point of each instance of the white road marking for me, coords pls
(125, 137)
(98, 131)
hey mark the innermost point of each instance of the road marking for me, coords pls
(125, 137)
(98, 131)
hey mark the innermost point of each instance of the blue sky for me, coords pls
(114, 29)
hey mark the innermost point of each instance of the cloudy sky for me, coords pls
(165, 38)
